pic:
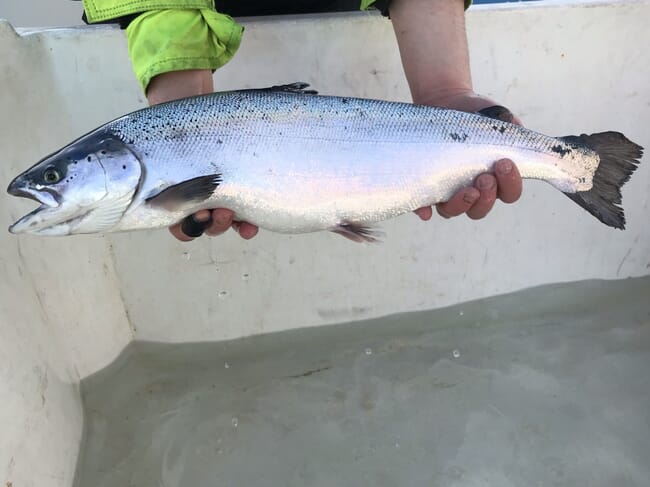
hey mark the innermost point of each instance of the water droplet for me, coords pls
(226, 365)
(461, 313)
(456, 472)
(456, 353)
(368, 351)
(223, 294)
(396, 445)
(186, 255)
(235, 422)
(219, 451)
(245, 276)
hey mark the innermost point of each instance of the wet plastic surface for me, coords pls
(541, 387)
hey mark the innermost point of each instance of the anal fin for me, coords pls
(357, 232)
(192, 191)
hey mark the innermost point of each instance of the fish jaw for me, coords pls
(47, 220)
(50, 212)
(18, 187)
(53, 217)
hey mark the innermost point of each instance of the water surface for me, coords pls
(546, 387)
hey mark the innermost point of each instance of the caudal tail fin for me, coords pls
(619, 158)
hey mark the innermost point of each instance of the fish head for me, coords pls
(83, 188)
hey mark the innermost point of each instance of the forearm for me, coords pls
(433, 47)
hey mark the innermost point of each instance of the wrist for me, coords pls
(447, 97)
(179, 84)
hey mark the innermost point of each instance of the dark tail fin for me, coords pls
(619, 158)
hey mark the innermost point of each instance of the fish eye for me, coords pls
(51, 175)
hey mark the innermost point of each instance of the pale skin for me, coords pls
(433, 47)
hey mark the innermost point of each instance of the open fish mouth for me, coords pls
(46, 216)
(40, 217)
(45, 220)
(46, 197)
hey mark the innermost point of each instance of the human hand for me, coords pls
(505, 184)
(180, 84)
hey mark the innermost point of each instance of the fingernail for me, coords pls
(505, 167)
(470, 198)
(485, 183)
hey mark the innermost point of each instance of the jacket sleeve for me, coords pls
(171, 35)
(102, 10)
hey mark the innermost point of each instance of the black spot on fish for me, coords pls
(103, 152)
(123, 166)
(561, 150)
(89, 158)
(457, 137)
(344, 100)
(219, 141)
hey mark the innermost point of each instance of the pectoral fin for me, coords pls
(192, 191)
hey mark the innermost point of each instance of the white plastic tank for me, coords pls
(69, 306)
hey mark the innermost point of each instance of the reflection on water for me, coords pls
(546, 387)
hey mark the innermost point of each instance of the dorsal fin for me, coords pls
(297, 87)
(497, 112)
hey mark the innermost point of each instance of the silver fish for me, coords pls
(291, 161)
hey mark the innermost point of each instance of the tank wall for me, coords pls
(68, 306)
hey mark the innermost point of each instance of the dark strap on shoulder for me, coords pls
(251, 8)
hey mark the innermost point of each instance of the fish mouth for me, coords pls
(45, 220)
(49, 214)
(47, 197)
